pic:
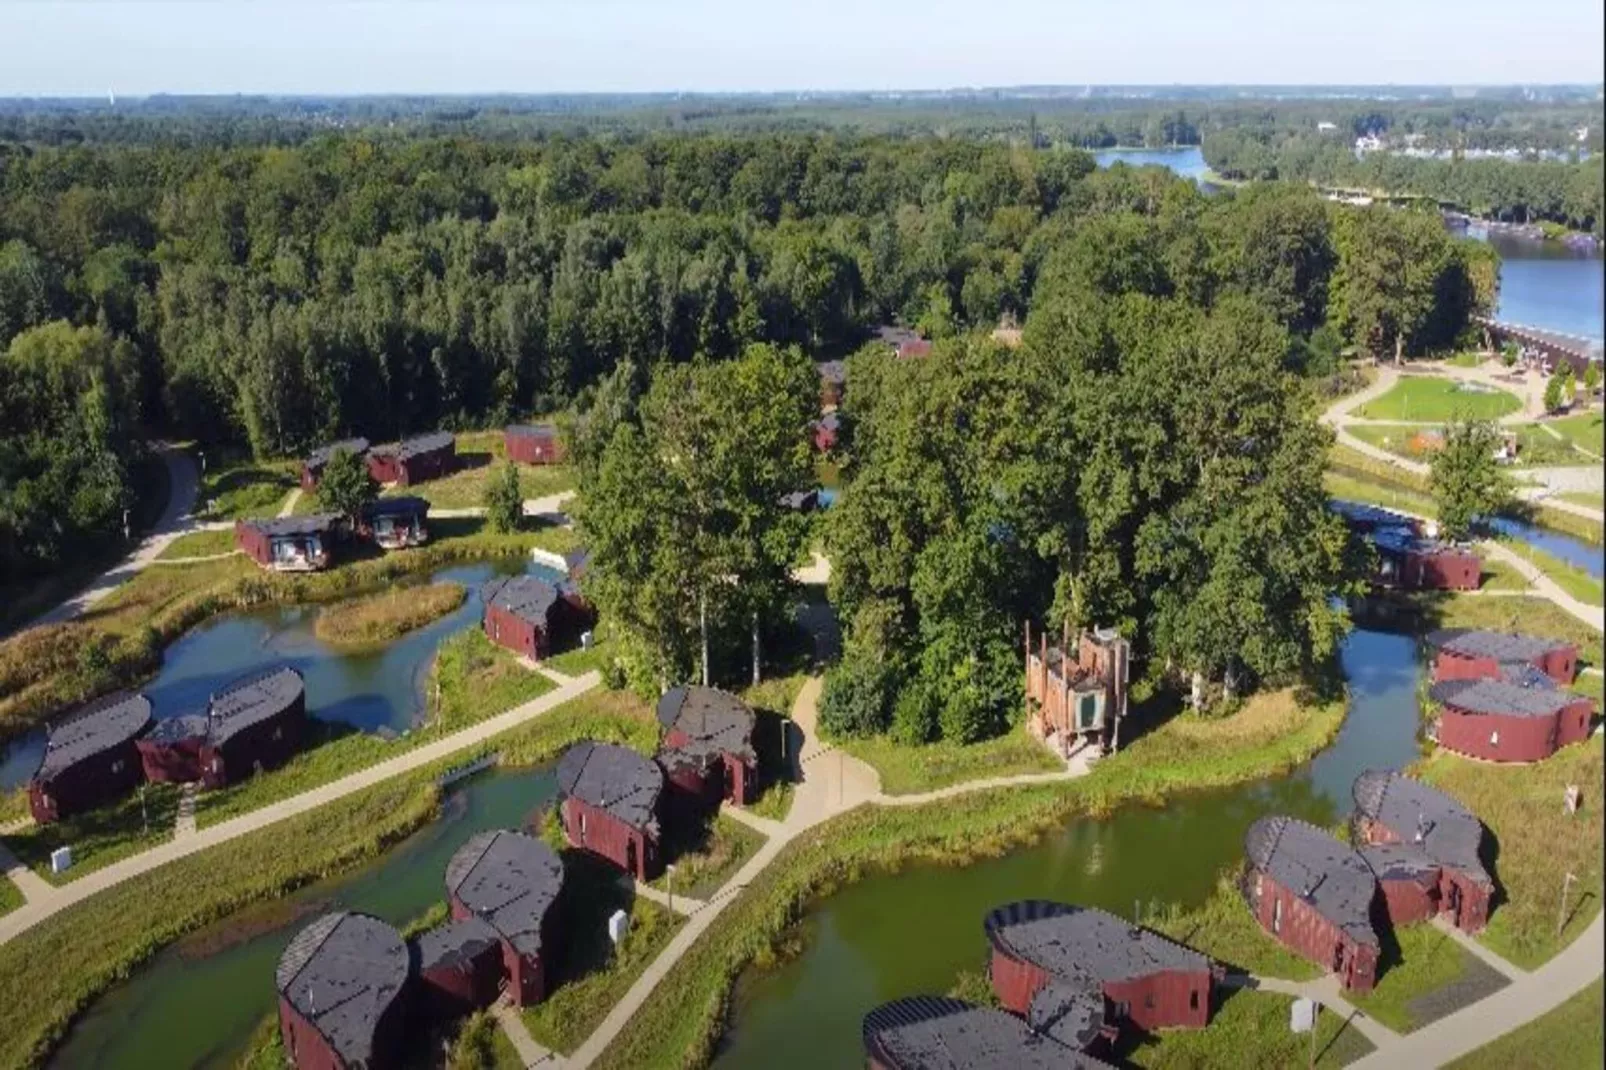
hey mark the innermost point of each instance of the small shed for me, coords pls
(459, 967)
(511, 882)
(708, 744)
(1077, 956)
(611, 799)
(530, 616)
(396, 523)
(414, 460)
(1473, 654)
(90, 757)
(533, 444)
(903, 341)
(827, 432)
(343, 986)
(312, 467)
(940, 1033)
(255, 723)
(1499, 720)
(1424, 847)
(1315, 895)
(289, 543)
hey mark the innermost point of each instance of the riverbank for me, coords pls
(679, 1024)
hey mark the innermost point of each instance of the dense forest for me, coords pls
(272, 296)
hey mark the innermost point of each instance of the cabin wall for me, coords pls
(532, 449)
(599, 832)
(304, 1045)
(98, 779)
(1407, 900)
(1173, 998)
(1305, 931)
(269, 744)
(514, 632)
(177, 762)
(1497, 737)
(1015, 982)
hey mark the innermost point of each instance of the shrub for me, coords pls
(856, 698)
(914, 718)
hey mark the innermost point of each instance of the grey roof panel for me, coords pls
(342, 973)
(1070, 1013)
(403, 505)
(315, 524)
(1085, 946)
(937, 1033)
(253, 699)
(510, 880)
(1327, 874)
(91, 729)
(323, 454)
(714, 721)
(1424, 817)
(1501, 697)
(417, 445)
(529, 598)
(1500, 646)
(455, 943)
(615, 779)
(532, 430)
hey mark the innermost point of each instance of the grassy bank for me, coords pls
(1535, 843)
(1430, 399)
(198, 544)
(1570, 1037)
(51, 972)
(472, 679)
(1569, 577)
(380, 618)
(907, 770)
(704, 859)
(243, 489)
(120, 642)
(1249, 1029)
(679, 1024)
(1223, 928)
(1422, 976)
(479, 455)
(132, 824)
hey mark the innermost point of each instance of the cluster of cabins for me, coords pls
(104, 750)
(1415, 853)
(1069, 980)
(351, 989)
(1503, 698)
(1409, 556)
(1076, 696)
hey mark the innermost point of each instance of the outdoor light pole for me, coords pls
(1561, 918)
(670, 869)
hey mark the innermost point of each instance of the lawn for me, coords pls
(593, 975)
(1499, 576)
(10, 897)
(380, 618)
(140, 820)
(1585, 429)
(198, 544)
(243, 489)
(907, 770)
(1345, 487)
(1429, 399)
(1418, 442)
(705, 857)
(1248, 1029)
(1423, 975)
(1569, 1037)
(1524, 613)
(1535, 842)
(479, 456)
(1224, 928)
(578, 662)
(1592, 499)
(1566, 575)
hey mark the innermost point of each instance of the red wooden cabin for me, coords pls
(1424, 848)
(312, 467)
(827, 432)
(1471, 654)
(395, 523)
(833, 378)
(1051, 958)
(1501, 721)
(708, 744)
(414, 460)
(533, 444)
(1411, 562)
(90, 758)
(530, 616)
(611, 798)
(343, 986)
(511, 882)
(459, 967)
(939, 1033)
(255, 723)
(1315, 895)
(288, 544)
(1076, 701)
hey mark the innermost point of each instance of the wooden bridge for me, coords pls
(1575, 349)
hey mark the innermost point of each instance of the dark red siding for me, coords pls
(1410, 899)
(418, 468)
(1159, 1001)
(825, 438)
(599, 832)
(1443, 570)
(514, 632)
(735, 780)
(1559, 663)
(98, 779)
(1498, 738)
(1304, 930)
(1463, 900)
(532, 449)
(177, 762)
(304, 1045)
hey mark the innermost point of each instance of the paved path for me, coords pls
(59, 898)
(681, 904)
(290, 500)
(1544, 586)
(549, 507)
(30, 884)
(1477, 950)
(530, 1052)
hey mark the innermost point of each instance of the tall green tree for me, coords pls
(1466, 478)
(504, 499)
(345, 486)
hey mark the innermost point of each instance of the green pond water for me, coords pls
(196, 1006)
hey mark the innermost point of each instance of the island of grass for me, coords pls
(1430, 399)
(380, 618)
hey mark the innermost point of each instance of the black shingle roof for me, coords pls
(714, 721)
(1398, 861)
(403, 505)
(1501, 697)
(510, 880)
(316, 524)
(341, 973)
(322, 455)
(1499, 646)
(833, 371)
(175, 729)
(1069, 1012)
(455, 944)
(615, 779)
(1424, 817)
(1327, 874)
(252, 699)
(526, 597)
(1363, 515)
(937, 1033)
(91, 729)
(1084, 946)
(1403, 540)
(419, 444)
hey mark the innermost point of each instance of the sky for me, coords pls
(137, 47)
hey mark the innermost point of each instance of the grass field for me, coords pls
(1417, 442)
(1570, 1037)
(1248, 1029)
(243, 489)
(1422, 961)
(1223, 928)
(10, 897)
(706, 858)
(480, 455)
(380, 618)
(140, 820)
(1566, 575)
(198, 544)
(1586, 429)
(907, 770)
(1592, 499)
(1536, 842)
(1425, 399)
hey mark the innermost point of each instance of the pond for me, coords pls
(196, 1009)
(1548, 284)
(1573, 551)
(375, 690)
(912, 932)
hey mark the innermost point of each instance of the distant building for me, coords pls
(414, 460)
(1504, 720)
(530, 616)
(90, 757)
(1416, 563)
(1424, 848)
(511, 882)
(611, 798)
(257, 722)
(342, 987)
(533, 444)
(833, 379)
(1315, 895)
(903, 341)
(1472, 654)
(288, 544)
(938, 1033)
(396, 523)
(1079, 975)
(1079, 699)
(707, 751)
(827, 432)
(312, 467)
(1325, 127)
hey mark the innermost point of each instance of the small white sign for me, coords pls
(618, 925)
(1302, 1016)
(1572, 798)
(61, 860)
(587, 640)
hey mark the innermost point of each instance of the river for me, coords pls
(185, 1008)
(911, 932)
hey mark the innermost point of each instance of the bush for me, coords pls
(856, 697)
(914, 718)
(504, 500)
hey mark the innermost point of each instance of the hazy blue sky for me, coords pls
(216, 46)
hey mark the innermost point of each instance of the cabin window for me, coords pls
(278, 732)
(1090, 711)
(1193, 1000)
(1494, 739)
(1277, 915)
(582, 827)
(1148, 1001)
(117, 766)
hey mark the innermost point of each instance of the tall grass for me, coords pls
(381, 618)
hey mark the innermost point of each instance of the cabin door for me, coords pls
(630, 858)
(1455, 903)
